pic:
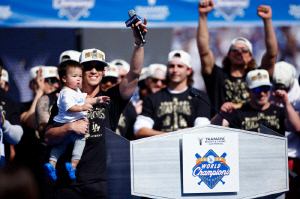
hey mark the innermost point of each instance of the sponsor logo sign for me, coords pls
(213, 159)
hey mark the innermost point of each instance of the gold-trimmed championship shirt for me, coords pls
(249, 119)
(172, 112)
(222, 87)
(92, 166)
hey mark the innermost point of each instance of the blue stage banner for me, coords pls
(160, 13)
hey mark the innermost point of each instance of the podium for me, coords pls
(153, 167)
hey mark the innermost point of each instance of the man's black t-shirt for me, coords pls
(247, 118)
(126, 122)
(92, 166)
(222, 87)
(172, 112)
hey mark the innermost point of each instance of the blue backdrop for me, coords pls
(160, 13)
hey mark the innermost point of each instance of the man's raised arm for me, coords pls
(129, 82)
(269, 58)
(206, 55)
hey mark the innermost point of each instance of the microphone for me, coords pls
(132, 20)
(193, 93)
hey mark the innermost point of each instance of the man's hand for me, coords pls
(264, 12)
(143, 30)
(227, 108)
(102, 99)
(205, 6)
(40, 83)
(139, 107)
(280, 96)
(80, 127)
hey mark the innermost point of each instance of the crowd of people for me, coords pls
(58, 136)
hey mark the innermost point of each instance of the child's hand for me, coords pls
(86, 107)
(103, 99)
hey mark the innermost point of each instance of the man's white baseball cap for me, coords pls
(92, 54)
(144, 73)
(111, 71)
(120, 63)
(33, 72)
(283, 74)
(4, 76)
(47, 72)
(183, 57)
(242, 40)
(257, 78)
(69, 54)
(153, 70)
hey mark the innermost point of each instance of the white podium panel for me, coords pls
(210, 163)
(157, 165)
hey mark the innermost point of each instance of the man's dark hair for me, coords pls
(66, 65)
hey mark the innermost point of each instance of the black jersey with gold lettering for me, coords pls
(172, 112)
(92, 166)
(247, 118)
(126, 122)
(222, 87)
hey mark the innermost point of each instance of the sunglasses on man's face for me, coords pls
(51, 80)
(262, 88)
(155, 80)
(235, 49)
(89, 66)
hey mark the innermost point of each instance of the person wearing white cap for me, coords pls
(171, 108)
(10, 130)
(259, 110)
(90, 179)
(69, 54)
(73, 105)
(123, 68)
(227, 84)
(110, 78)
(30, 150)
(43, 80)
(284, 78)
(4, 80)
(154, 78)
